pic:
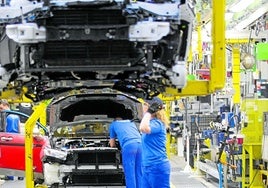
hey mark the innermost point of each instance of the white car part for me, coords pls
(178, 74)
(5, 76)
(51, 173)
(161, 9)
(55, 153)
(148, 31)
(26, 33)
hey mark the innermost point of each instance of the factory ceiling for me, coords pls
(242, 16)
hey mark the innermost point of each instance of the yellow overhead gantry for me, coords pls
(236, 67)
(218, 66)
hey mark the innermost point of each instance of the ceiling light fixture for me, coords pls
(252, 17)
(228, 16)
(241, 5)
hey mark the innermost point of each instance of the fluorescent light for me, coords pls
(228, 15)
(252, 17)
(241, 5)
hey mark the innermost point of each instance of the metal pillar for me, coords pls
(236, 75)
(29, 126)
(187, 168)
(218, 66)
(199, 33)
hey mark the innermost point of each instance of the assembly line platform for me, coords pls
(181, 177)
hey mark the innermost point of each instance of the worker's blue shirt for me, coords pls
(125, 131)
(154, 144)
(12, 123)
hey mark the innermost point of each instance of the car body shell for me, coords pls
(75, 149)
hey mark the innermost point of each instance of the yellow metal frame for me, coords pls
(252, 145)
(13, 97)
(218, 65)
(29, 126)
(252, 130)
(236, 75)
(239, 41)
(236, 66)
(199, 33)
(167, 109)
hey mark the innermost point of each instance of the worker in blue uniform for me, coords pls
(155, 162)
(12, 124)
(12, 120)
(129, 139)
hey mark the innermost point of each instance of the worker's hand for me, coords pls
(112, 142)
(154, 107)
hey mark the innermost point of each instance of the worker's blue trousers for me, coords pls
(131, 156)
(156, 176)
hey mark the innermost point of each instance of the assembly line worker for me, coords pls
(12, 124)
(155, 162)
(12, 120)
(129, 139)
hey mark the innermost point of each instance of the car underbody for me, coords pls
(137, 47)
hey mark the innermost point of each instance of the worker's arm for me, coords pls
(145, 123)
(112, 142)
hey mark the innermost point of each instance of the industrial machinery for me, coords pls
(264, 167)
(75, 150)
(92, 47)
(237, 139)
(138, 47)
(97, 48)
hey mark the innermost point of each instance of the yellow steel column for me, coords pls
(190, 56)
(244, 166)
(43, 118)
(251, 173)
(168, 111)
(29, 125)
(236, 75)
(199, 35)
(167, 108)
(236, 66)
(218, 66)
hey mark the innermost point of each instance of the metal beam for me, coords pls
(218, 65)
(236, 75)
(29, 126)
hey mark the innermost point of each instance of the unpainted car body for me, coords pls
(135, 46)
(93, 57)
(79, 133)
(76, 151)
